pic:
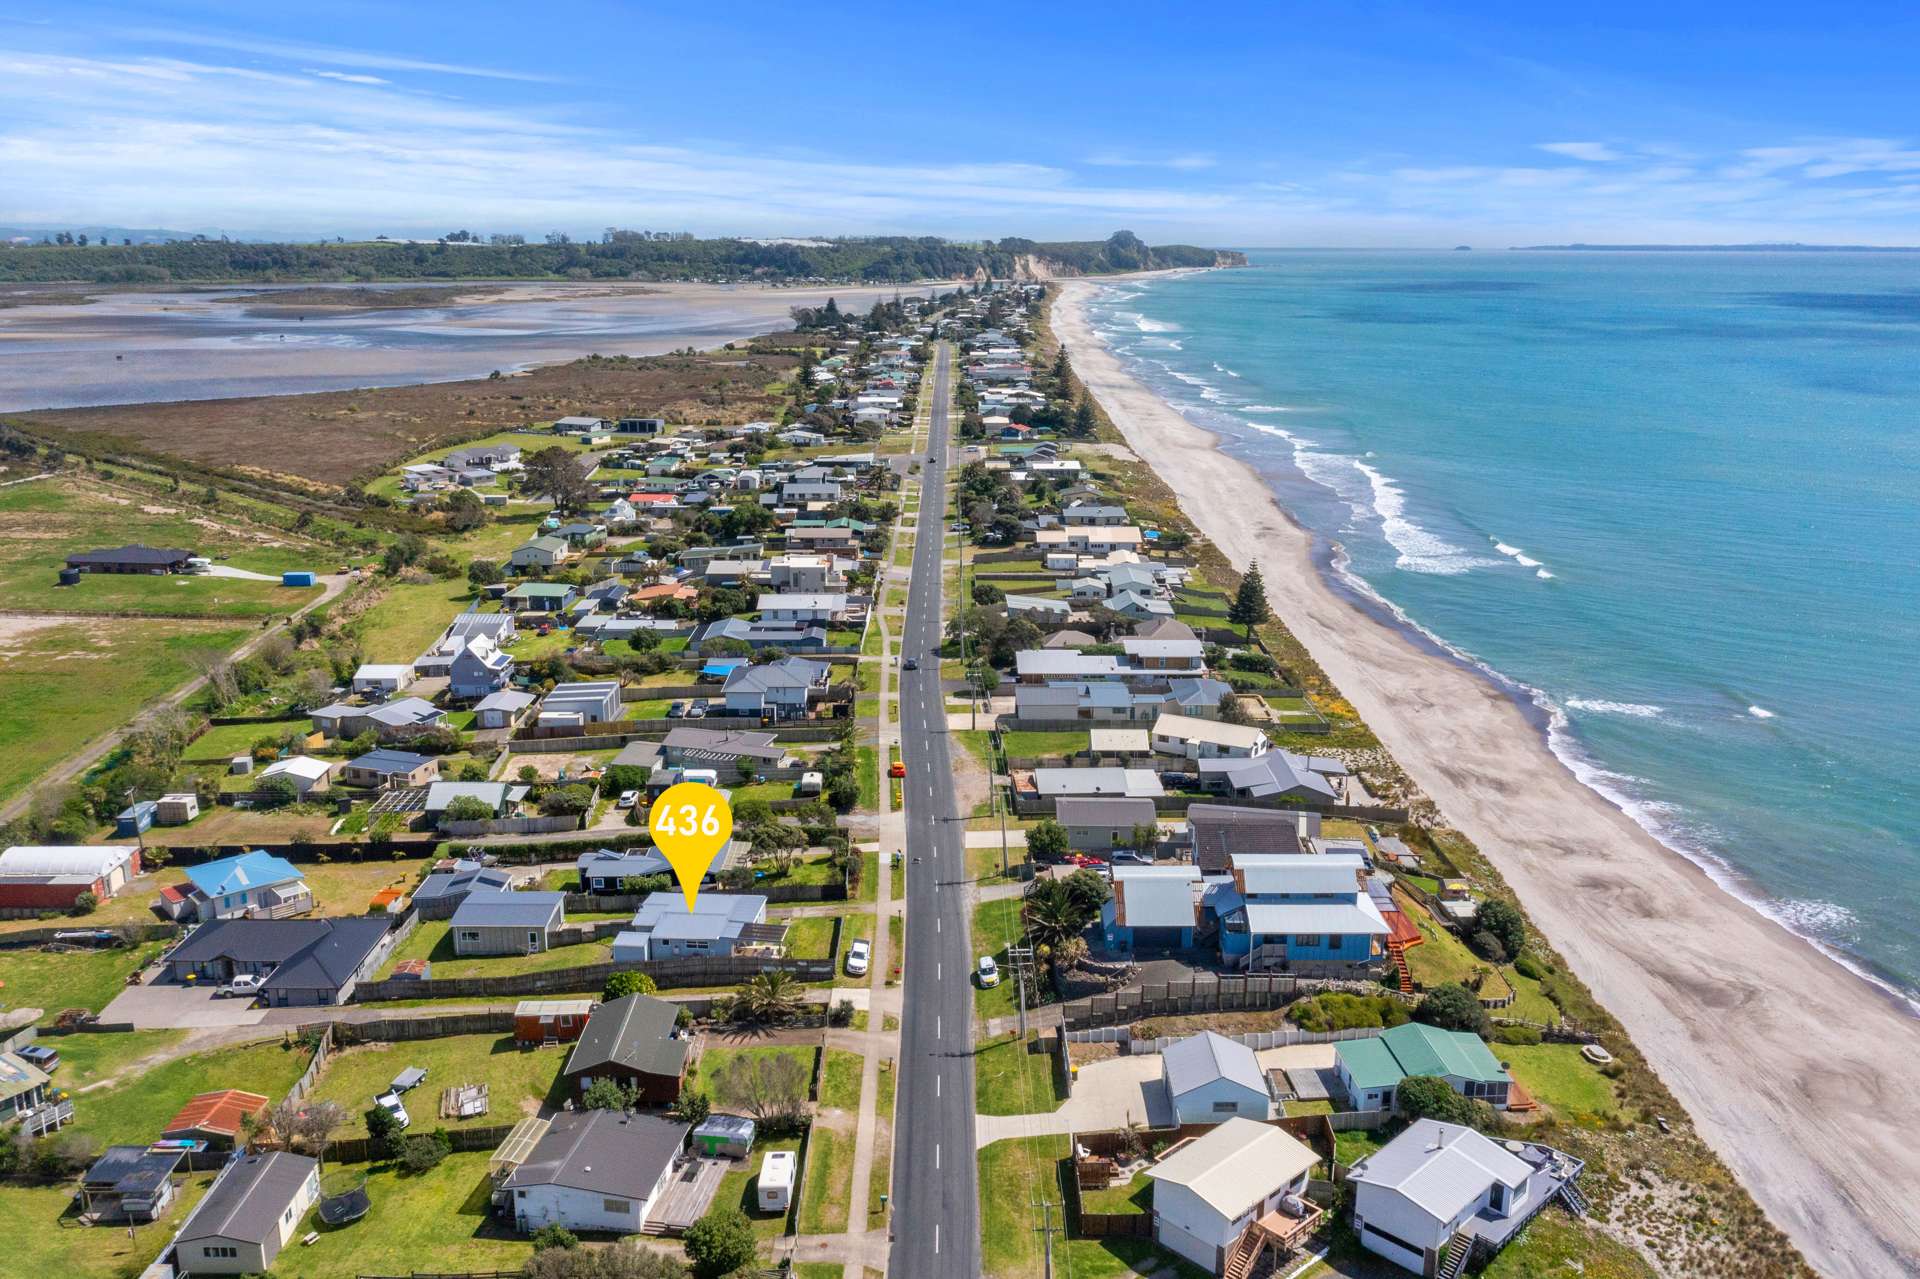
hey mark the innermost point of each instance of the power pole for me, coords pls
(1047, 1230)
(1021, 958)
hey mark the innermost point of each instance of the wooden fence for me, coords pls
(134, 933)
(311, 1075)
(360, 1150)
(512, 826)
(668, 973)
(1200, 995)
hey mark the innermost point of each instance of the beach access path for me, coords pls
(1797, 1071)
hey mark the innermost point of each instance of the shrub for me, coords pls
(1452, 1007)
(384, 1129)
(1526, 1035)
(85, 904)
(1488, 946)
(1502, 919)
(554, 1237)
(423, 1152)
(1531, 967)
(622, 984)
(275, 792)
(468, 808)
(841, 1014)
(720, 1243)
(1426, 1097)
(606, 1094)
(1337, 1010)
(1047, 841)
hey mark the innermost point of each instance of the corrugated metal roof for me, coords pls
(1201, 1059)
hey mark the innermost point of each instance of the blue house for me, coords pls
(254, 885)
(1306, 914)
(1153, 908)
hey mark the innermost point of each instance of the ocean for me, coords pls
(1671, 500)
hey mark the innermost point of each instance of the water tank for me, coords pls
(297, 579)
(69, 577)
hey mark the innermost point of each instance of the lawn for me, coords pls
(1131, 1196)
(1355, 1144)
(1030, 745)
(135, 1110)
(866, 770)
(810, 936)
(1443, 957)
(996, 925)
(854, 926)
(432, 941)
(518, 1080)
(1554, 1244)
(737, 1189)
(89, 1058)
(840, 1080)
(709, 1075)
(1559, 1076)
(345, 887)
(880, 1179)
(1010, 1241)
(409, 617)
(44, 522)
(66, 683)
(1009, 1079)
(39, 1242)
(437, 1221)
(829, 1182)
(78, 979)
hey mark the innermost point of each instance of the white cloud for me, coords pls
(1123, 160)
(348, 77)
(326, 54)
(1591, 152)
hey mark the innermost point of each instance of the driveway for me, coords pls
(171, 1006)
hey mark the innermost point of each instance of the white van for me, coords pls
(775, 1183)
(709, 776)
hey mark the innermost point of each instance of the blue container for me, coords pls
(131, 821)
(297, 579)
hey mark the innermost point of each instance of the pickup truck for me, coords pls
(246, 985)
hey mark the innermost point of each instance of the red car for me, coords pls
(1085, 859)
(898, 769)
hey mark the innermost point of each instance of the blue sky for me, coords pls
(1226, 124)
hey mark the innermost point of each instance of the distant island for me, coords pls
(1765, 247)
(617, 255)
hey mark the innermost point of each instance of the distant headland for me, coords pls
(1764, 247)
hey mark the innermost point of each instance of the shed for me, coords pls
(730, 1136)
(551, 1021)
(298, 579)
(130, 821)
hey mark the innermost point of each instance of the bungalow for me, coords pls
(398, 718)
(1038, 607)
(780, 690)
(603, 1171)
(1102, 825)
(550, 1021)
(801, 609)
(718, 924)
(494, 457)
(1095, 513)
(1153, 908)
(581, 702)
(1210, 1079)
(540, 597)
(493, 922)
(634, 1041)
(758, 635)
(219, 1118)
(50, 877)
(23, 1088)
(504, 709)
(309, 776)
(1207, 1193)
(385, 768)
(1138, 607)
(1183, 656)
(540, 553)
(1047, 665)
(1371, 1070)
(478, 670)
(374, 680)
(1272, 774)
(306, 962)
(1063, 783)
(153, 560)
(1220, 832)
(256, 1205)
(1440, 1191)
(804, 491)
(255, 883)
(801, 438)
(442, 891)
(685, 747)
(608, 870)
(581, 536)
(129, 1183)
(1188, 738)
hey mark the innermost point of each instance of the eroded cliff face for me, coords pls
(1037, 269)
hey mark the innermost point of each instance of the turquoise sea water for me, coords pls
(1673, 499)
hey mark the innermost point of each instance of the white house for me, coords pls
(305, 772)
(1191, 738)
(1433, 1181)
(375, 680)
(581, 702)
(815, 574)
(1208, 1191)
(600, 1170)
(802, 608)
(1210, 1079)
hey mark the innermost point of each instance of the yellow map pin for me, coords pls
(691, 822)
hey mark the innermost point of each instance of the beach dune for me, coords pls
(1798, 1072)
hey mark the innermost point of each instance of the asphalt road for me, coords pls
(936, 1209)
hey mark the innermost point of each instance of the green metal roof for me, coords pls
(1369, 1063)
(1428, 1050)
(530, 590)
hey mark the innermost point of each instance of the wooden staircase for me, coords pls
(1245, 1251)
(1575, 1202)
(1456, 1258)
(1397, 952)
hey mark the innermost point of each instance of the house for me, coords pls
(1038, 607)
(154, 560)
(309, 776)
(759, 635)
(581, 536)
(718, 924)
(385, 767)
(1371, 1070)
(632, 1040)
(255, 883)
(551, 1021)
(664, 593)
(1210, 1079)
(1307, 915)
(37, 877)
(399, 718)
(478, 670)
(1133, 743)
(1208, 1192)
(603, 1171)
(827, 538)
(1219, 832)
(219, 1118)
(1271, 774)
(804, 574)
(498, 796)
(607, 870)
(1063, 783)
(1153, 908)
(442, 891)
(1047, 665)
(1439, 1190)
(1187, 737)
(1139, 607)
(1185, 656)
(801, 609)
(685, 747)
(504, 709)
(373, 680)
(494, 457)
(540, 597)
(730, 573)
(581, 702)
(1100, 825)
(256, 1204)
(129, 1184)
(780, 690)
(23, 1087)
(544, 552)
(494, 922)
(306, 962)
(436, 661)
(1095, 513)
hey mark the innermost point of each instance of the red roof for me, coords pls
(217, 1112)
(173, 892)
(653, 499)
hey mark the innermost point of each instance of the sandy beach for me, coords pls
(1799, 1073)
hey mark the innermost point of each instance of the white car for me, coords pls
(859, 955)
(391, 1103)
(628, 798)
(988, 972)
(246, 984)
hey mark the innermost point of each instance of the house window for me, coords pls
(220, 1250)
(1306, 939)
(469, 934)
(1225, 1107)
(618, 1207)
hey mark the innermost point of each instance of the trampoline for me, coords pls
(343, 1200)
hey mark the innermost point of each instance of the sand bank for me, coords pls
(1799, 1073)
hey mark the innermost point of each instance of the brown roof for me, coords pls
(217, 1112)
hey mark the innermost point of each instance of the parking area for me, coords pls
(167, 1005)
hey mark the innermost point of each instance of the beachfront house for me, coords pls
(1152, 909)
(1230, 1191)
(1372, 1070)
(1306, 915)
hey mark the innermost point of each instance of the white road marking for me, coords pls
(936, 1156)
(938, 1033)
(936, 1236)
(939, 971)
(936, 1085)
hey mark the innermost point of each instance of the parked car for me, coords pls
(676, 710)
(859, 955)
(628, 798)
(698, 710)
(897, 769)
(391, 1103)
(1132, 856)
(1085, 859)
(988, 972)
(246, 984)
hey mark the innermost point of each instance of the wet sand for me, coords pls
(1799, 1073)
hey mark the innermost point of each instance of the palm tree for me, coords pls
(772, 995)
(1052, 913)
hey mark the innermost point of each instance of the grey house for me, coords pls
(441, 893)
(492, 922)
(306, 962)
(256, 1204)
(1100, 825)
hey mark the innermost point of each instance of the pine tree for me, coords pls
(1083, 418)
(1249, 607)
(1062, 371)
